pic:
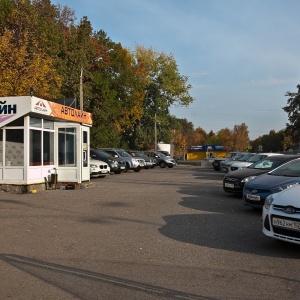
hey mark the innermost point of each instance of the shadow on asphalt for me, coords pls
(220, 220)
(84, 284)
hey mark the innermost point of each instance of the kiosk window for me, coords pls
(1, 147)
(35, 122)
(35, 147)
(67, 147)
(47, 124)
(14, 147)
(41, 142)
(48, 148)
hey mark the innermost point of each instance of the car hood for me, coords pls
(241, 164)
(228, 163)
(97, 162)
(243, 173)
(267, 180)
(288, 197)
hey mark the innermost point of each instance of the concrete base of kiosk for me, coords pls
(26, 189)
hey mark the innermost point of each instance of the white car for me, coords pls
(252, 160)
(98, 168)
(281, 215)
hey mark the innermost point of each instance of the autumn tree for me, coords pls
(23, 64)
(224, 138)
(183, 137)
(200, 136)
(240, 137)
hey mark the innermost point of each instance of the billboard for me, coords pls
(12, 108)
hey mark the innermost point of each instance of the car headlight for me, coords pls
(268, 201)
(113, 162)
(245, 180)
(93, 166)
(284, 186)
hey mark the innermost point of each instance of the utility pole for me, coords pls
(155, 133)
(81, 90)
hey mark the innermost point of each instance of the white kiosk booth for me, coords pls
(39, 138)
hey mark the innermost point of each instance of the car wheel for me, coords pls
(162, 164)
(117, 172)
(137, 169)
(126, 168)
(170, 167)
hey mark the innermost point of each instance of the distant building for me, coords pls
(205, 151)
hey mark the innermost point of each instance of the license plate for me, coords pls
(122, 167)
(294, 225)
(229, 185)
(253, 197)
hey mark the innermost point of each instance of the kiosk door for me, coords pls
(72, 152)
(85, 153)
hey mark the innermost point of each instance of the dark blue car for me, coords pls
(256, 190)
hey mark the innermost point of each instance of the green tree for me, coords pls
(117, 94)
(272, 142)
(165, 86)
(293, 110)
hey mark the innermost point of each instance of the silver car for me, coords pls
(135, 164)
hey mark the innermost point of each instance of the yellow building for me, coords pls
(205, 152)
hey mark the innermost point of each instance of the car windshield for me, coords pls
(123, 153)
(267, 163)
(160, 154)
(245, 157)
(100, 153)
(256, 158)
(138, 154)
(236, 157)
(290, 169)
(229, 155)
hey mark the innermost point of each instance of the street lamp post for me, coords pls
(81, 82)
(81, 90)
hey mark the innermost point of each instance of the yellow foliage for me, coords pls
(23, 65)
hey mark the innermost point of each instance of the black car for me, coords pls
(217, 161)
(117, 165)
(234, 181)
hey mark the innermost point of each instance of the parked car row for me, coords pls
(273, 185)
(237, 160)
(116, 160)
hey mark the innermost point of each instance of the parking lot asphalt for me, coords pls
(156, 234)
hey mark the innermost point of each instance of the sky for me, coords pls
(240, 56)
